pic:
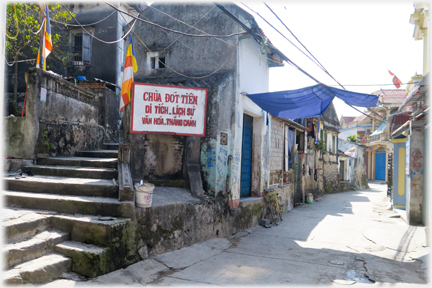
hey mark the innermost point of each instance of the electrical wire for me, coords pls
(295, 36)
(193, 26)
(10, 64)
(282, 35)
(369, 84)
(91, 24)
(317, 62)
(100, 40)
(176, 72)
(16, 21)
(230, 44)
(40, 28)
(174, 31)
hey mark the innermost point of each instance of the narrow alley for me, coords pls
(348, 238)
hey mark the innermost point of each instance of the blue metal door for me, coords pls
(246, 165)
(380, 165)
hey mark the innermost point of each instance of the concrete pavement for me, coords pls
(349, 238)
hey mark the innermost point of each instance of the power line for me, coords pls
(224, 14)
(193, 26)
(91, 24)
(281, 34)
(112, 42)
(174, 31)
(181, 74)
(310, 76)
(370, 84)
(295, 36)
(10, 64)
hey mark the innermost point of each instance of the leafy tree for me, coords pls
(23, 24)
(354, 138)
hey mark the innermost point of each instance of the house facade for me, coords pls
(411, 137)
(233, 155)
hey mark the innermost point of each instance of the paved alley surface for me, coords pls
(349, 238)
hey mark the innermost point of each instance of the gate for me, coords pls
(380, 166)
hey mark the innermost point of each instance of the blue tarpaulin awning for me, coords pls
(308, 102)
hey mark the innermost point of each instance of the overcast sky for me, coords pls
(356, 41)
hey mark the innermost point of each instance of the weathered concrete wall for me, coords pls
(163, 156)
(415, 193)
(65, 123)
(359, 179)
(357, 164)
(171, 227)
(185, 59)
(68, 120)
(8, 103)
(166, 228)
(109, 116)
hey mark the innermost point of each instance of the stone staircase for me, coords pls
(67, 217)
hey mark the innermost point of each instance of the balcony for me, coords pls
(376, 138)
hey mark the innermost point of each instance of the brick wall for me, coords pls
(276, 145)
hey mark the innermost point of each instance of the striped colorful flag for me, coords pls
(396, 80)
(130, 69)
(46, 42)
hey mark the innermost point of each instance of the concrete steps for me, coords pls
(68, 204)
(102, 236)
(97, 230)
(73, 171)
(111, 146)
(25, 226)
(98, 153)
(80, 161)
(87, 259)
(32, 248)
(39, 270)
(81, 217)
(63, 186)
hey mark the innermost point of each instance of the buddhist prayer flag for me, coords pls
(46, 42)
(396, 80)
(130, 69)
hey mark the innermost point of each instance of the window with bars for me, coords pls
(157, 62)
(81, 48)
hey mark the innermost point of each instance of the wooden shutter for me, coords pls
(86, 51)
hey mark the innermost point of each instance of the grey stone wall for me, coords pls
(330, 174)
(65, 123)
(276, 145)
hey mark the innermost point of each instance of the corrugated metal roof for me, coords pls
(391, 95)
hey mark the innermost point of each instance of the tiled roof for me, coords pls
(391, 95)
(349, 119)
(359, 118)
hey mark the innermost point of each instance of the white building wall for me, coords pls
(253, 77)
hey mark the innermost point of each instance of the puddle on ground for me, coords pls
(352, 275)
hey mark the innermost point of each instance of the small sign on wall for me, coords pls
(168, 110)
(43, 94)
